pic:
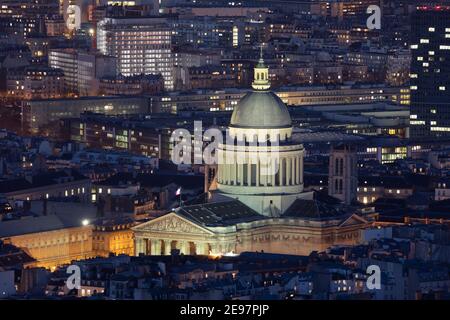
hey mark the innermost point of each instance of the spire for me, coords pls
(261, 74)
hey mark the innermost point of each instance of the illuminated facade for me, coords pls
(430, 73)
(226, 100)
(39, 113)
(61, 232)
(56, 247)
(150, 53)
(113, 237)
(36, 83)
(82, 69)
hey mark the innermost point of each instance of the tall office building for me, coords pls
(430, 73)
(82, 69)
(141, 45)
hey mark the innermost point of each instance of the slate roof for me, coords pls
(391, 182)
(219, 213)
(39, 180)
(11, 256)
(66, 215)
(157, 179)
(320, 207)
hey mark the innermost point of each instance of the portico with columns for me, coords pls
(172, 231)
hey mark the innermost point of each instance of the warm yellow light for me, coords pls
(215, 255)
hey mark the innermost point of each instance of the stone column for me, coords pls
(257, 172)
(281, 171)
(264, 176)
(238, 174)
(288, 172)
(155, 247)
(249, 173)
(301, 170)
(294, 166)
(167, 247)
(224, 173)
(198, 247)
(273, 169)
(138, 246)
(201, 248)
(215, 248)
(297, 162)
(184, 247)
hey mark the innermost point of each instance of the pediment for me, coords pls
(172, 222)
(354, 219)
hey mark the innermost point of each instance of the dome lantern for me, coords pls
(261, 75)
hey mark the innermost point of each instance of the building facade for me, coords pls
(430, 73)
(150, 53)
(82, 69)
(259, 204)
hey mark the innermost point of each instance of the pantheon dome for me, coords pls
(261, 109)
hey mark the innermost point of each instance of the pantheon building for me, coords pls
(258, 202)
